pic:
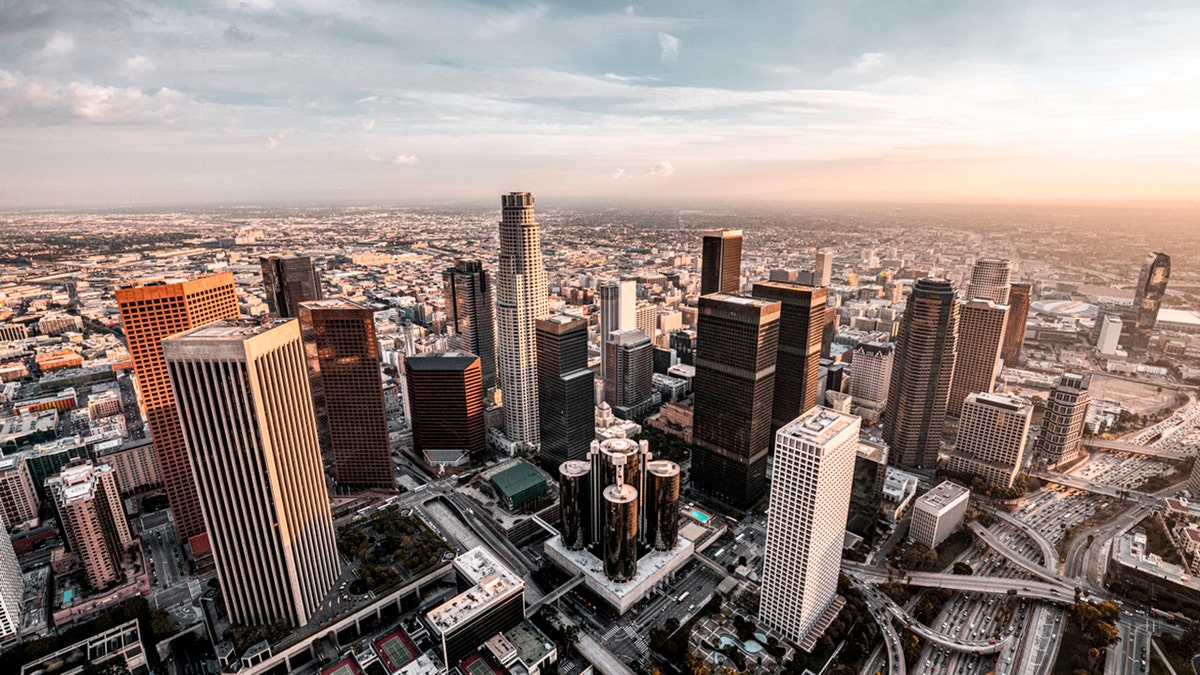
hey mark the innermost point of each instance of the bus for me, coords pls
(684, 596)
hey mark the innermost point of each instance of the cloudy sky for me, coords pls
(130, 102)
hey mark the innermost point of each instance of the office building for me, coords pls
(251, 432)
(93, 519)
(494, 601)
(470, 314)
(565, 393)
(823, 274)
(922, 369)
(1147, 297)
(18, 498)
(1061, 435)
(618, 311)
(446, 402)
(12, 332)
(721, 263)
(1014, 327)
(289, 280)
(871, 375)
(937, 514)
(801, 321)
(866, 493)
(520, 301)
(980, 340)
(348, 390)
(628, 382)
(810, 497)
(1109, 339)
(990, 280)
(647, 320)
(992, 434)
(736, 345)
(684, 344)
(12, 589)
(151, 311)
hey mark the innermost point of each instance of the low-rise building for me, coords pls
(938, 513)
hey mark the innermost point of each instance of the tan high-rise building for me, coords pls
(721, 263)
(151, 311)
(12, 589)
(990, 280)
(981, 326)
(1066, 414)
(992, 435)
(93, 518)
(18, 499)
(247, 415)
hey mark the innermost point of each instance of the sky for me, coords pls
(137, 102)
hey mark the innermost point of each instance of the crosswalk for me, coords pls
(627, 633)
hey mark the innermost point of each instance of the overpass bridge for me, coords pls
(1012, 556)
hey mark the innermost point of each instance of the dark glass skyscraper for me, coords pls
(1014, 329)
(565, 389)
(721, 266)
(629, 378)
(922, 370)
(1061, 435)
(1151, 287)
(445, 391)
(736, 346)
(289, 280)
(801, 322)
(470, 314)
(348, 388)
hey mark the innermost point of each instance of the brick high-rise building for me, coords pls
(565, 389)
(251, 432)
(1014, 329)
(351, 390)
(471, 314)
(289, 280)
(151, 311)
(797, 365)
(736, 346)
(93, 519)
(981, 326)
(922, 370)
(445, 396)
(721, 263)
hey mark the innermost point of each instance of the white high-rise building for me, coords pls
(12, 587)
(990, 280)
(810, 496)
(870, 377)
(520, 301)
(992, 434)
(1110, 335)
(824, 272)
(618, 302)
(246, 410)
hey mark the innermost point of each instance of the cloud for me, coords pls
(404, 160)
(629, 9)
(59, 45)
(112, 104)
(618, 173)
(670, 47)
(869, 61)
(276, 139)
(367, 126)
(137, 64)
(39, 94)
(631, 78)
(235, 34)
(663, 169)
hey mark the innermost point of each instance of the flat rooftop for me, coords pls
(228, 329)
(333, 303)
(943, 495)
(819, 425)
(493, 583)
(1009, 403)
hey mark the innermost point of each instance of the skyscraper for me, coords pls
(618, 311)
(629, 381)
(470, 314)
(991, 438)
(824, 271)
(980, 339)
(797, 365)
(810, 497)
(565, 394)
(989, 280)
(721, 264)
(520, 301)
(647, 320)
(870, 377)
(93, 519)
(736, 346)
(446, 401)
(18, 498)
(1062, 425)
(289, 280)
(922, 369)
(1014, 328)
(247, 414)
(351, 391)
(1147, 297)
(151, 311)
(12, 588)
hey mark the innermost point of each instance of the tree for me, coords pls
(962, 568)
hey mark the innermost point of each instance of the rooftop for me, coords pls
(452, 361)
(493, 583)
(518, 478)
(943, 495)
(333, 303)
(228, 329)
(1010, 403)
(819, 425)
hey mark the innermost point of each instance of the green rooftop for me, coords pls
(519, 483)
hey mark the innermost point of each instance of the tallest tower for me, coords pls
(520, 302)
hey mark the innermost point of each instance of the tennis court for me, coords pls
(395, 650)
(479, 667)
(342, 670)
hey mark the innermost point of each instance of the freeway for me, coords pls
(1124, 446)
(1061, 592)
(1021, 561)
(1049, 552)
(891, 637)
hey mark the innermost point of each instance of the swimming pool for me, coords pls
(702, 517)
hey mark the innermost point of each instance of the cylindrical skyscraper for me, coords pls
(620, 532)
(661, 504)
(574, 504)
(520, 302)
